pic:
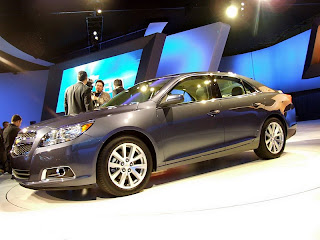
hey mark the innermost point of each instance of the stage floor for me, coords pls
(235, 197)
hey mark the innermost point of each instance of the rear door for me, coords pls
(242, 108)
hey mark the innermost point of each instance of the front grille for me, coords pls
(18, 150)
(31, 134)
(21, 174)
(23, 143)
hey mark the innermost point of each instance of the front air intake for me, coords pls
(21, 174)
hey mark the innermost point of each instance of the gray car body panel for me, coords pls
(180, 133)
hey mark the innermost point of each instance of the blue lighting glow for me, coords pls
(192, 50)
(124, 67)
(279, 66)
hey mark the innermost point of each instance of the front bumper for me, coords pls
(36, 170)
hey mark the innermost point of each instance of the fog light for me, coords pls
(62, 172)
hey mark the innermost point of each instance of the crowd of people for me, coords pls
(7, 136)
(79, 98)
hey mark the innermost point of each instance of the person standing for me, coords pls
(9, 135)
(78, 96)
(118, 87)
(100, 97)
(4, 124)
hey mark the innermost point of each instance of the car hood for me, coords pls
(82, 117)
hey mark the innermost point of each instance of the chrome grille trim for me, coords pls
(21, 174)
(29, 134)
(23, 143)
(18, 150)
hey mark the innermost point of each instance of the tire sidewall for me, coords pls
(103, 179)
(263, 151)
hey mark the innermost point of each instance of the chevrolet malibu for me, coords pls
(155, 125)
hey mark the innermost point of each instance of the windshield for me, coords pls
(138, 93)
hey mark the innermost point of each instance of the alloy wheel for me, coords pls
(274, 137)
(127, 166)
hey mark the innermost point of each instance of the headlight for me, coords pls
(65, 133)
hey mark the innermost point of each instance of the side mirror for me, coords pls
(172, 99)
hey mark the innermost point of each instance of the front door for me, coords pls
(194, 127)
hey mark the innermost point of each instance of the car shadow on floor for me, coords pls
(196, 169)
(158, 178)
(86, 194)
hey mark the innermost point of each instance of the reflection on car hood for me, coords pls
(82, 117)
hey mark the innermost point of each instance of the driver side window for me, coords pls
(193, 89)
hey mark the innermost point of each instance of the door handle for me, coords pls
(212, 113)
(256, 105)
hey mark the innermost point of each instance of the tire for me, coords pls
(272, 139)
(124, 166)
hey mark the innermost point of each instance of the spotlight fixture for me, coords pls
(94, 31)
(232, 11)
(99, 11)
(242, 4)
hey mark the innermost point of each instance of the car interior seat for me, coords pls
(202, 94)
(237, 91)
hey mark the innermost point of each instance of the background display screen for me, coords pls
(124, 67)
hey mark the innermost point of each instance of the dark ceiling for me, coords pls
(53, 29)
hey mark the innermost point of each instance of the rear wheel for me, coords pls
(124, 166)
(272, 139)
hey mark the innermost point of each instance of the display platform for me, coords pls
(235, 192)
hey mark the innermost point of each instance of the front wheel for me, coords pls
(124, 166)
(272, 139)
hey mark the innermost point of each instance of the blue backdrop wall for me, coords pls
(22, 94)
(279, 66)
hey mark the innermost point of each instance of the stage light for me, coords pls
(96, 38)
(99, 11)
(242, 9)
(242, 4)
(232, 11)
(95, 33)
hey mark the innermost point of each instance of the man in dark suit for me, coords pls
(117, 87)
(78, 96)
(9, 135)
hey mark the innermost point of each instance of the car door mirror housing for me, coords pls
(172, 99)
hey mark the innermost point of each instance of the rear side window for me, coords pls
(230, 87)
